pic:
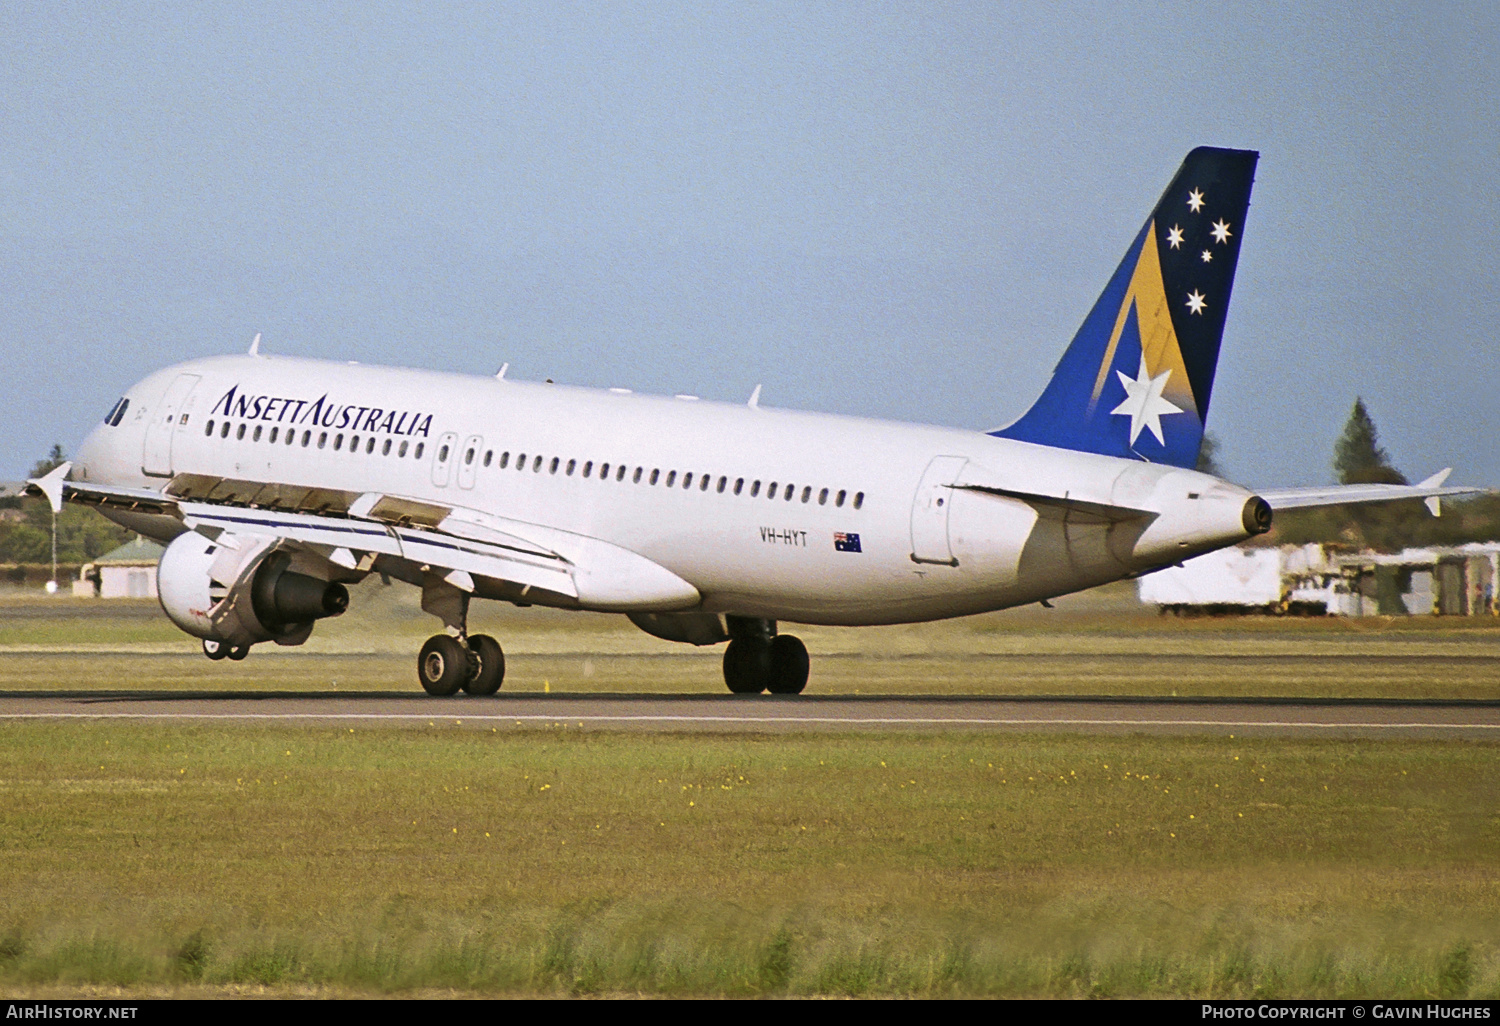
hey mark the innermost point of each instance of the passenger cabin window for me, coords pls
(488, 456)
(505, 460)
(385, 448)
(209, 430)
(572, 466)
(224, 430)
(401, 453)
(859, 499)
(255, 437)
(469, 457)
(239, 434)
(271, 438)
(420, 447)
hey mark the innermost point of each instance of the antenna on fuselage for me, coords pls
(255, 345)
(754, 402)
(500, 374)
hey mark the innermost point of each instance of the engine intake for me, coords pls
(280, 597)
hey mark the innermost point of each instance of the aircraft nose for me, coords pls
(93, 455)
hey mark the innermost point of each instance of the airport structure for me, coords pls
(1318, 580)
(126, 572)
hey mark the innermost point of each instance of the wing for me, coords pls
(473, 550)
(1430, 490)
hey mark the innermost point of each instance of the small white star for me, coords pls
(1195, 200)
(1195, 301)
(1174, 237)
(1220, 231)
(1207, 256)
(1144, 403)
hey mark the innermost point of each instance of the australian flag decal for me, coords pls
(845, 542)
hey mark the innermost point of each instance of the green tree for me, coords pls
(1208, 456)
(1357, 455)
(82, 533)
(54, 459)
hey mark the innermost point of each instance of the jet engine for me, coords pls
(241, 590)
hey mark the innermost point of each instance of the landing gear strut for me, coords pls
(758, 659)
(457, 660)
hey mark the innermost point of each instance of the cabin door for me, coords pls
(161, 425)
(929, 511)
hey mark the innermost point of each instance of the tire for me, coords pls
(215, 650)
(442, 665)
(747, 666)
(491, 665)
(238, 652)
(789, 665)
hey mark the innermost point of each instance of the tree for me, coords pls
(55, 459)
(1208, 456)
(1358, 457)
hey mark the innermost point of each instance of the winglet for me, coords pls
(754, 402)
(1434, 503)
(51, 485)
(255, 345)
(500, 374)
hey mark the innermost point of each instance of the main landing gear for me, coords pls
(457, 659)
(448, 664)
(758, 659)
(222, 649)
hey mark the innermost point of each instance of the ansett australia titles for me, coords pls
(345, 416)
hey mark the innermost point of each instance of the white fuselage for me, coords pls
(925, 549)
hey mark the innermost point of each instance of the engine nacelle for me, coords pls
(242, 594)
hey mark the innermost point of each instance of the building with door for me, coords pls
(126, 572)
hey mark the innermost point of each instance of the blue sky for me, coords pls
(900, 210)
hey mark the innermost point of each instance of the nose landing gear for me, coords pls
(758, 659)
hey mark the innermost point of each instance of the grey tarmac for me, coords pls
(1456, 718)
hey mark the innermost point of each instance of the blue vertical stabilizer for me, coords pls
(1136, 379)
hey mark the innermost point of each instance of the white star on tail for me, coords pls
(1195, 200)
(1196, 301)
(1174, 237)
(1220, 231)
(1144, 403)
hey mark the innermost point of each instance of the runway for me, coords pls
(1468, 719)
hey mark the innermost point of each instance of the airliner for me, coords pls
(277, 482)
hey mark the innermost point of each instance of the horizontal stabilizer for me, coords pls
(1339, 495)
(1063, 507)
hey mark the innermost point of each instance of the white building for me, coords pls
(126, 572)
(1310, 579)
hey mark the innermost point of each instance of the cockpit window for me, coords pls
(117, 412)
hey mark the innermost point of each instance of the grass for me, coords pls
(526, 861)
(1100, 642)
